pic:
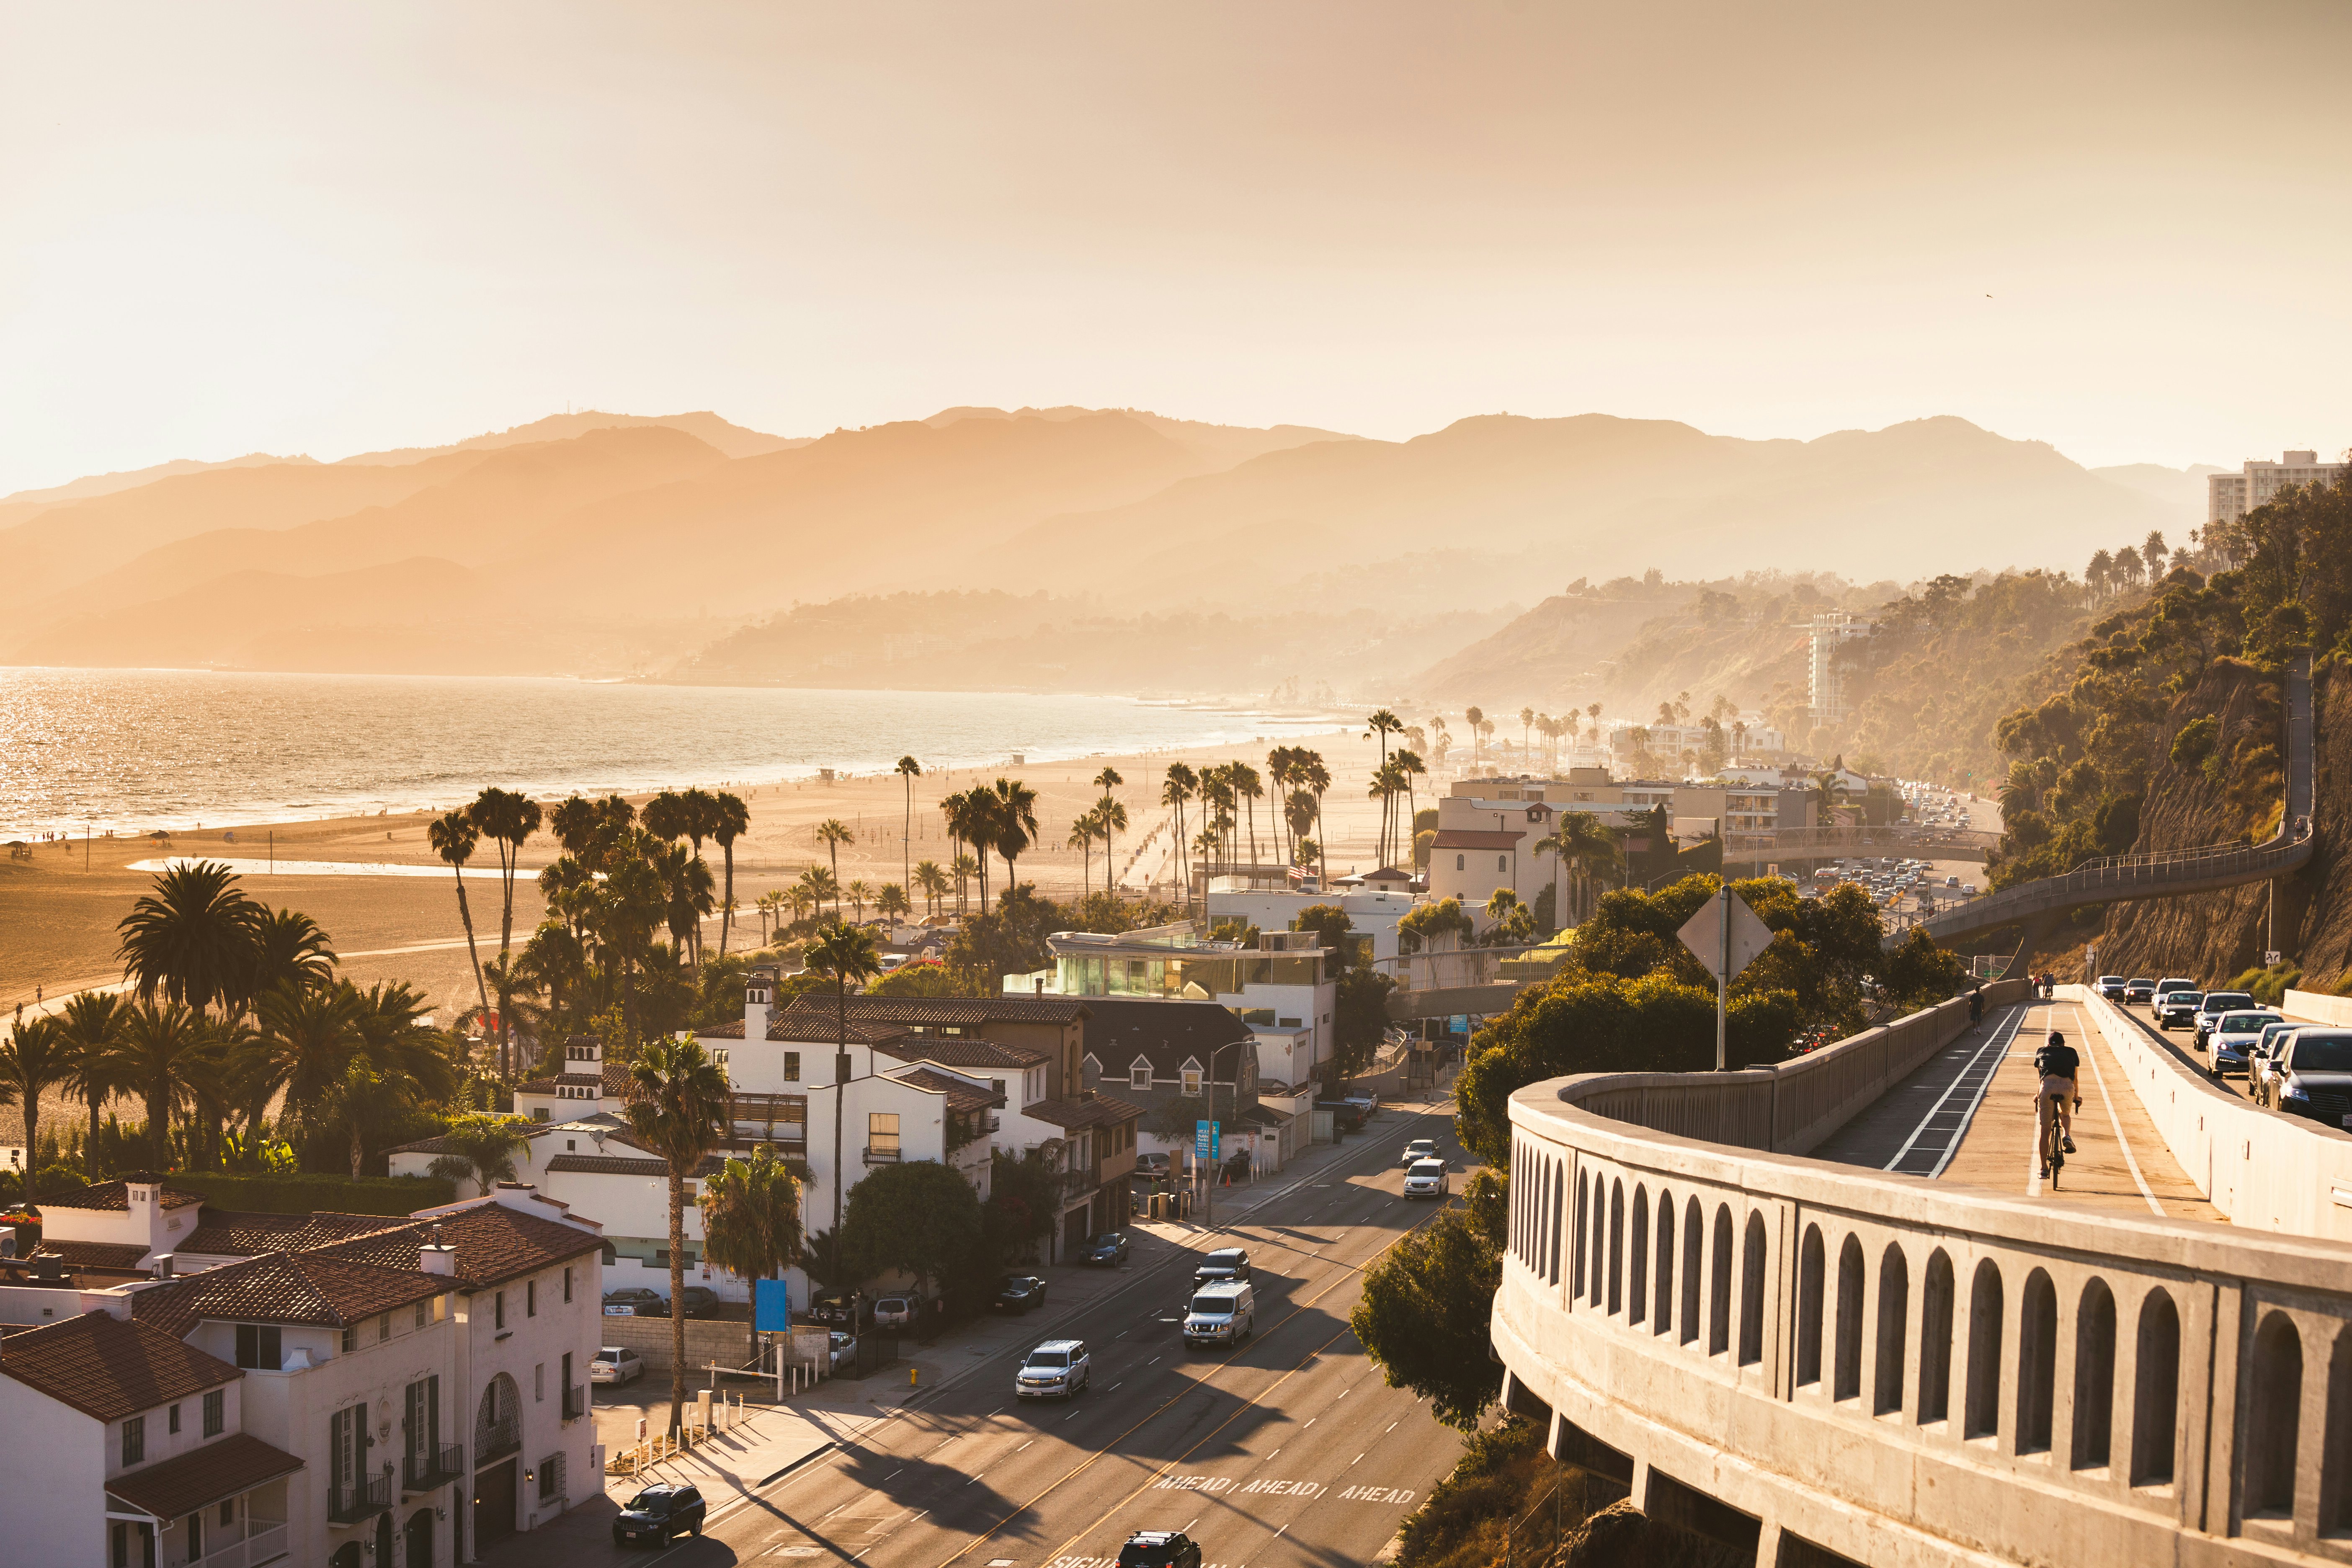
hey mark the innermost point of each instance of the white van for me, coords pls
(1220, 1314)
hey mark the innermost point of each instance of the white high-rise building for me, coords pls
(2229, 496)
(1832, 628)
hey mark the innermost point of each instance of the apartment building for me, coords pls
(1829, 686)
(2229, 496)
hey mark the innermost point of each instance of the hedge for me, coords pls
(306, 1191)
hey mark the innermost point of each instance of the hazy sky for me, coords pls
(325, 228)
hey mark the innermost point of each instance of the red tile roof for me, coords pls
(950, 1051)
(229, 1233)
(494, 1243)
(1472, 838)
(120, 1255)
(938, 1010)
(807, 1028)
(116, 1196)
(213, 1473)
(961, 1096)
(1099, 1109)
(619, 1165)
(286, 1287)
(107, 1368)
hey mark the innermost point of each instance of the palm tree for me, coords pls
(820, 886)
(833, 834)
(1083, 831)
(667, 815)
(861, 893)
(770, 905)
(507, 819)
(1245, 784)
(1178, 789)
(91, 1023)
(932, 883)
(730, 820)
(751, 1219)
(632, 901)
(1476, 721)
(191, 939)
(966, 871)
(844, 954)
(1583, 847)
(909, 771)
(480, 1147)
(892, 900)
(676, 1108)
(1110, 818)
(39, 1057)
(453, 837)
(1318, 778)
(306, 1039)
(168, 1054)
(1409, 766)
(1526, 722)
(1013, 825)
(360, 1101)
(288, 949)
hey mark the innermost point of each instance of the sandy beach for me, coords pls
(58, 909)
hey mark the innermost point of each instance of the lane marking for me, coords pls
(2117, 1122)
(1996, 1038)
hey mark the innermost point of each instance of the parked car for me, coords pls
(1109, 1249)
(1056, 1369)
(1417, 1150)
(660, 1512)
(2315, 1076)
(701, 1302)
(1159, 1548)
(903, 1310)
(1225, 1263)
(1152, 1165)
(2139, 992)
(2213, 1005)
(1347, 1116)
(2111, 987)
(1428, 1180)
(615, 1364)
(841, 1349)
(1020, 1293)
(2232, 1039)
(634, 1301)
(839, 1307)
(2177, 1009)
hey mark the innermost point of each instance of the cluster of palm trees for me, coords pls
(1227, 796)
(1100, 822)
(2131, 566)
(232, 1008)
(999, 818)
(1392, 778)
(1589, 853)
(1559, 732)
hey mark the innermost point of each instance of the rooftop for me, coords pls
(286, 1287)
(953, 1051)
(229, 1233)
(116, 1196)
(494, 1243)
(1094, 1108)
(108, 1368)
(219, 1470)
(933, 1011)
(961, 1096)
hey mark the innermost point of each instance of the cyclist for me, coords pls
(2056, 1065)
(1975, 1006)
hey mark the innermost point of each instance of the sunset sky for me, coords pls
(328, 228)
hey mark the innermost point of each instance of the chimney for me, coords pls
(758, 990)
(162, 1265)
(435, 1257)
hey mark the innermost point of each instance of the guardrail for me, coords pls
(1798, 1358)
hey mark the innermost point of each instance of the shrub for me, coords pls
(307, 1192)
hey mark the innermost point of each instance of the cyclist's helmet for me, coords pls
(2056, 1038)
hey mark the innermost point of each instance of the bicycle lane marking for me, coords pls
(1958, 1079)
(2091, 1052)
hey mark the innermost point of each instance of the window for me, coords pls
(1502, 862)
(567, 1282)
(216, 1412)
(882, 1132)
(346, 1447)
(498, 1309)
(611, 1254)
(1460, 863)
(531, 1298)
(538, 1113)
(423, 1313)
(351, 1339)
(1139, 1075)
(1191, 1081)
(383, 1327)
(257, 1346)
(134, 1440)
(539, 1380)
(792, 1066)
(550, 1477)
(172, 1421)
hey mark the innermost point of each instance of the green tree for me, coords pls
(91, 1024)
(919, 1217)
(1013, 823)
(1179, 787)
(480, 1147)
(923, 977)
(1426, 1305)
(36, 1057)
(191, 939)
(840, 954)
(453, 837)
(168, 1054)
(730, 820)
(1025, 1199)
(1360, 1019)
(1009, 940)
(288, 949)
(677, 1106)
(932, 883)
(304, 1044)
(752, 1217)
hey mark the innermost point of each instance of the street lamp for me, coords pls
(1209, 1186)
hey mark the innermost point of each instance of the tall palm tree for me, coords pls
(751, 1219)
(819, 885)
(1583, 847)
(1317, 779)
(91, 1024)
(932, 883)
(167, 1054)
(507, 819)
(480, 1147)
(304, 1044)
(1013, 823)
(453, 837)
(909, 771)
(1173, 792)
(861, 893)
(1083, 831)
(631, 903)
(1408, 767)
(288, 949)
(833, 833)
(730, 820)
(678, 1103)
(191, 939)
(1475, 720)
(1247, 786)
(39, 1057)
(966, 871)
(1110, 818)
(890, 900)
(843, 953)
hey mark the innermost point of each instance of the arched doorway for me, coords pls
(347, 1556)
(419, 1553)
(497, 1439)
(384, 1539)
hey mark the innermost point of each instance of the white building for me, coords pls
(2229, 496)
(1832, 629)
(1371, 911)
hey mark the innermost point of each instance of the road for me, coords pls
(1289, 1450)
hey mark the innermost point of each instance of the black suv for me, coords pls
(657, 1513)
(1159, 1548)
(1020, 1293)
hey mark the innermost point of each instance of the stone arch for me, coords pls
(1637, 1259)
(1719, 1292)
(1846, 1362)
(497, 1421)
(2156, 1390)
(418, 1540)
(1752, 1243)
(1616, 1246)
(1981, 1418)
(1893, 1325)
(1576, 1249)
(1812, 1271)
(2037, 1363)
(1661, 1320)
(1694, 1260)
(1935, 1340)
(2094, 1377)
(1600, 1238)
(2274, 1412)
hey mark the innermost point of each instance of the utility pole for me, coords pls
(1723, 966)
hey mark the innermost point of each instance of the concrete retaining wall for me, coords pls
(2264, 1169)
(2320, 1009)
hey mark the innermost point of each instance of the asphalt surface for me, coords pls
(1286, 1450)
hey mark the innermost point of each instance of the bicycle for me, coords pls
(2053, 1140)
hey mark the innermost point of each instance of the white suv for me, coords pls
(1427, 1179)
(1225, 1313)
(1058, 1368)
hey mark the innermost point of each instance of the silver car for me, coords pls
(1427, 1179)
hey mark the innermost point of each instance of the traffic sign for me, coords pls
(1702, 935)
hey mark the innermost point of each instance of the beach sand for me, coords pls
(60, 909)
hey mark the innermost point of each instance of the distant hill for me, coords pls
(107, 484)
(2180, 488)
(731, 440)
(1216, 446)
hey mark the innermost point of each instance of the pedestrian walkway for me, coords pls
(1968, 1117)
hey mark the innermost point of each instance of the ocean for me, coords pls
(137, 750)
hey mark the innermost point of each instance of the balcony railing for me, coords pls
(881, 1154)
(437, 1465)
(264, 1542)
(575, 1402)
(352, 1501)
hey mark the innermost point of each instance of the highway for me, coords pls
(1289, 1450)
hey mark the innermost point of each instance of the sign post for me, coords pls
(1726, 936)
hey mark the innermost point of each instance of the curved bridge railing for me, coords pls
(2164, 874)
(1819, 1364)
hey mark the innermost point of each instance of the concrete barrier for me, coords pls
(2264, 1169)
(2320, 1007)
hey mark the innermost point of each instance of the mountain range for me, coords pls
(601, 543)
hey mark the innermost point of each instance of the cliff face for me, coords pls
(2322, 937)
(2214, 936)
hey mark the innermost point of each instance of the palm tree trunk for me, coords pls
(89, 1150)
(727, 909)
(1322, 845)
(676, 1298)
(465, 913)
(509, 854)
(32, 1140)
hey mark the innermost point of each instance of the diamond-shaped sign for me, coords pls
(1702, 935)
